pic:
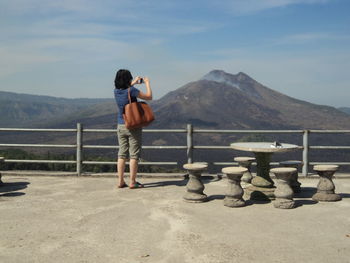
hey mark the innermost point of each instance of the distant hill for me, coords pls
(345, 109)
(218, 100)
(23, 110)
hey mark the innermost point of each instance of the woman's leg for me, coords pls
(133, 171)
(135, 142)
(123, 139)
(121, 169)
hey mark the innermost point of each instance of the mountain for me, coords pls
(345, 109)
(223, 100)
(23, 110)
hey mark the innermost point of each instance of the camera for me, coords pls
(141, 80)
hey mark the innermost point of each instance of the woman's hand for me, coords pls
(136, 81)
(146, 80)
(148, 94)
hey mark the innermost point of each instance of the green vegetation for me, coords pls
(17, 154)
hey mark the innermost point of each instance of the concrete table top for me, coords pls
(263, 147)
(323, 168)
(244, 159)
(283, 170)
(291, 162)
(196, 166)
(234, 170)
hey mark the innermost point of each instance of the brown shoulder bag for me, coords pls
(137, 114)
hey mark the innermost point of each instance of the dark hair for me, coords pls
(122, 79)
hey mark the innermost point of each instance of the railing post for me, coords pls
(189, 143)
(306, 152)
(79, 148)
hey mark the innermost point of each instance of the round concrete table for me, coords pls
(262, 185)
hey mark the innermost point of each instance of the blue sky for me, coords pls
(72, 48)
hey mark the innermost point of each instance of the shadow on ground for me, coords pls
(299, 203)
(10, 189)
(344, 195)
(182, 182)
(216, 197)
(306, 192)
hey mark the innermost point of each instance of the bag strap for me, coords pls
(129, 96)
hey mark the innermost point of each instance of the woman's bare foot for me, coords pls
(122, 184)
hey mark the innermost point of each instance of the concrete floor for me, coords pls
(70, 219)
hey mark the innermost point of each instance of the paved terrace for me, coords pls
(86, 219)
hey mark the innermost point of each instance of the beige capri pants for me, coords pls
(130, 142)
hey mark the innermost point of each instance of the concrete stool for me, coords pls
(325, 187)
(234, 191)
(195, 186)
(2, 159)
(294, 183)
(245, 162)
(283, 192)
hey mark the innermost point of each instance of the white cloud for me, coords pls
(38, 32)
(310, 37)
(244, 7)
(15, 60)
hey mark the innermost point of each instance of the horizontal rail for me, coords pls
(175, 130)
(246, 131)
(212, 147)
(39, 161)
(100, 130)
(330, 163)
(235, 163)
(37, 130)
(224, 163)
(40, 145)
(329, 131)
(224, 147)
(143, 147)
(166, 130)
(178, 147)
(100, 147)
(145, 130)
(140, 163)
(330, 147)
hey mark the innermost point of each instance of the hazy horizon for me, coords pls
(72, 49)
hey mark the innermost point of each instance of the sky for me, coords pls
(73, 48)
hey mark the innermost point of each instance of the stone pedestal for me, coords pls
(262, 187)
(284, 193)
(325, 188)
(234, 192)
(2, 159)
(195, 186)
(294, 183)
(245, 162)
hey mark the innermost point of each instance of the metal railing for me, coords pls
(189, 147)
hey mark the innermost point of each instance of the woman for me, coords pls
(130, 141)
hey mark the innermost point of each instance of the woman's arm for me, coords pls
(135, 81)
(148, 94)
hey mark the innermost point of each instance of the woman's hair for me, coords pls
(123, 79)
